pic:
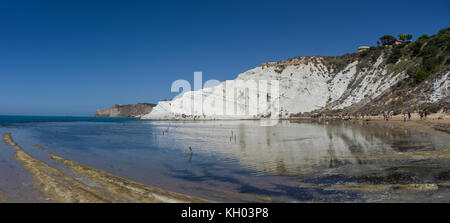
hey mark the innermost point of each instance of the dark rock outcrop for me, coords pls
(133, 110)
(443, 127)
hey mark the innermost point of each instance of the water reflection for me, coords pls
(296, 148)
(286, 162)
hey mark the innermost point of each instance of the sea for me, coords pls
(239, 160)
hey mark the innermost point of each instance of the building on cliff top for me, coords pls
(362, 48)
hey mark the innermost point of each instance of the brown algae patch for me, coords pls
(309, 185)
(413, 155)
(39, 147)
(385, 187)
(125, 187)
(8, 140)
(376, 187)
(445, 184)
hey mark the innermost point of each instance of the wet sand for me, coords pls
(434, 123)
(378, 187)
(104, 187)
(428, 125)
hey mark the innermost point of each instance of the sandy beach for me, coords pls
(435, 122)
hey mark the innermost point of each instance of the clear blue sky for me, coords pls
(74, 57)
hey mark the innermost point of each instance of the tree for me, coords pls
(402, 37)
(409, 37)
(387, 40)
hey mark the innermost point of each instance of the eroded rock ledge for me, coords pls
(125, 187)
(60, 187)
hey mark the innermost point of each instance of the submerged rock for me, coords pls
(444, 127)
(125, 187)
(383, 187)
(57, 186)
(7, 139)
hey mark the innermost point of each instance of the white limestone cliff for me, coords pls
(305, 84)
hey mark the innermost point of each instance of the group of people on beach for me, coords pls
(387, 115)
(193, 117)
(406, 115)
(423, 114)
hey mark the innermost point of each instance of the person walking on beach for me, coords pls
(426, 114)
(421, 114)
(404, 116)
(409, 115)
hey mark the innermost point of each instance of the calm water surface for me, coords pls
(236, 161)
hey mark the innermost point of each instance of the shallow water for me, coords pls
(241, 161)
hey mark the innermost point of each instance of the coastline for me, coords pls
(436, 122)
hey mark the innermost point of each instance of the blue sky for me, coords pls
(74, 57)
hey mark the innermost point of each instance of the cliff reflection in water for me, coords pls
(297, 148)
(241, 161)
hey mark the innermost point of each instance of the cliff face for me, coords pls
(136, 110)
(405, 77)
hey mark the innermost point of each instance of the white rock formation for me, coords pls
(440, 88)
(305, 85)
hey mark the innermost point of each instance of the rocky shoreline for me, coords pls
(132, 110)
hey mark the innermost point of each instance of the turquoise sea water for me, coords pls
(233, 161)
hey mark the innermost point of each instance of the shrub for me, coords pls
(339, 63)
(430, 64)
(364, 53)
(395, 55)
(424, 37)
(415, 47)
(433, 108)
(443, 31)
(421, 76)
(411, 71)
